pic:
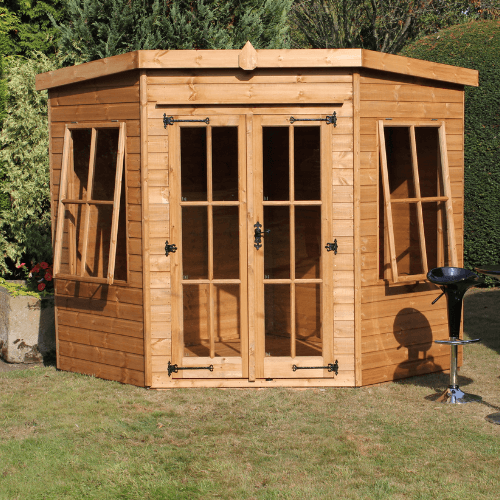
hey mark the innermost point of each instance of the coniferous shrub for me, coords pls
(25, 230)
(475, 45)
(94, 30)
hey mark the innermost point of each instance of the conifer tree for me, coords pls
(95, 30)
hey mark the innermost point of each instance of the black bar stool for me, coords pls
(454, 281)
(493, 272)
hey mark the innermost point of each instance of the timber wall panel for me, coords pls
(398, 322)
(343, 230)
(159, 233)
(100, 327)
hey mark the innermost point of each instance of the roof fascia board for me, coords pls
(264, 58)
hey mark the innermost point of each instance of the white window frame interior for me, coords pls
(88, 201)
(444, 176)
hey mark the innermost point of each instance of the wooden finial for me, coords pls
(247, 58)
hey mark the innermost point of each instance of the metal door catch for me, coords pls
(169, 248)
(169, 120)
(259, 233)
(175, 368)
(332, 246)
(332, 367)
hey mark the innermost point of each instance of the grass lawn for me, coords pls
(66, 436)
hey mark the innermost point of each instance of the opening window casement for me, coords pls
(416, 227)
(91, 233)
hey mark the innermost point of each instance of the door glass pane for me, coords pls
(225, 163)
(194, 243)
(277, 242)
(105, 164)
(307, 241)
(399, 166)
(275, 164)
(277, 322)
(307, 180)
(428, 156)
(196, 320)
(308, 319)
(227, 320)
(193, 163)
(226, 242)
(406, 238)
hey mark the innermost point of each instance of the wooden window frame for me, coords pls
(88, 201)
(443, 172)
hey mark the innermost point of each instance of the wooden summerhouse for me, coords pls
(254, 218)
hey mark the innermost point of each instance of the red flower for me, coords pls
(35, 269)
(21, 265)
(48, 276)
(44, 265)
(41, 286)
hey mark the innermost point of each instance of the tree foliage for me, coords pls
(475, 45)
(25, 26)
(381, 25)
(95, 30)
(25, 224)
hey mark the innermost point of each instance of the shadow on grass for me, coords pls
(50, 359)
(482, 317)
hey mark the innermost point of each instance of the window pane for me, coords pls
(105, 164)
(277, 320)
(226, 249)
(72, 239)
(277, 242)
(308, 319)
(307, 242)
(227, 320)
(436, 236)
(275, 161)
(399, 166)
(194, 243)
(193, 163)
(78, 179)
(428, 155)
(406, 238)
(121, 240)
(225, 163)
(307, 181)
(100, 217)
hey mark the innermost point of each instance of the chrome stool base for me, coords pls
(453, 395)
(494, 418)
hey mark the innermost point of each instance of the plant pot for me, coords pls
(27, 328)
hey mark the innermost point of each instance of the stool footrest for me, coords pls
(457, 342)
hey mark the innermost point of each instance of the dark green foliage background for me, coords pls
(475, 45)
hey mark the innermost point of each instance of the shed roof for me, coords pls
(248, 59)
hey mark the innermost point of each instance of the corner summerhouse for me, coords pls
(254, 218)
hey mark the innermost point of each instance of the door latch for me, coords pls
(332, 247)
(259, 233)
(169, 248)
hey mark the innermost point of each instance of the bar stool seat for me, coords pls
(454, 282)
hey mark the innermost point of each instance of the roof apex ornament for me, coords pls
(247, 58)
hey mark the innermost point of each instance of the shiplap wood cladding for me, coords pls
(361, 307)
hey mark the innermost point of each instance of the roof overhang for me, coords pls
(249, 59)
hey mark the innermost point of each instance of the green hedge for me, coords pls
(475, 45)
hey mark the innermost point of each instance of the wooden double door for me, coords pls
(252, 290)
